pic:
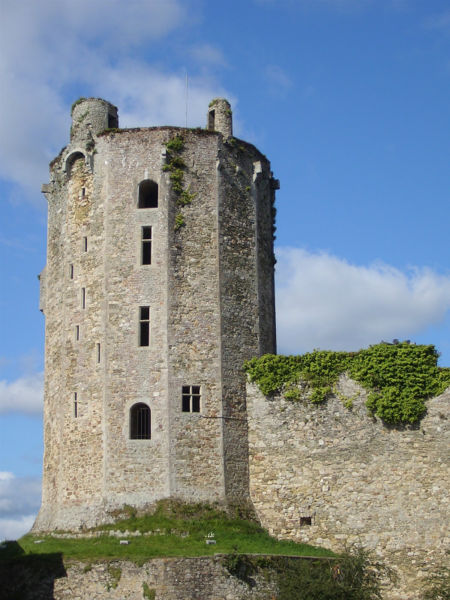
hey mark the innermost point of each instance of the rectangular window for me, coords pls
(85, 244)
(71, 271)
(83, 192)
(144, 325)
(190, 398)
(146, 252)
(98, 353)
(77, 332)
(75, 405)
(83, 297)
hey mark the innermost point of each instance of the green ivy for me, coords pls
(176, 166)
(399, 377)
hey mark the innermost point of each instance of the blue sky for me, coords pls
(347, 98)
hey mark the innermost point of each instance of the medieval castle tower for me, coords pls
(158, 285)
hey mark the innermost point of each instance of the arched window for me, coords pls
(148, 194)
(140, 422)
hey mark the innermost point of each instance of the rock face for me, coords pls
(336, 477)
(158, 285)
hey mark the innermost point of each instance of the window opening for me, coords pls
(83, 297)
(140, 422)
(98, 353)
(148, 194)
(190, 398)
(144, 325)
(83, 192)
(71, 271)
(85, 244)
(75, 405)
(146, 255)
(77, 332)
(305, 521)
(211, 119)
(113, 122)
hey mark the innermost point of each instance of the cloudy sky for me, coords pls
(348, 99)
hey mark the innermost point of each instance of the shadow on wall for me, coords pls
(28, 577)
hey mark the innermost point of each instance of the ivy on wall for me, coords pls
(399, 377)
(176, 166)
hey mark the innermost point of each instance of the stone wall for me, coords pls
(158, 579)
(335, 477)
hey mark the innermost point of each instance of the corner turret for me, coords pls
(90, 116)
(220, 117)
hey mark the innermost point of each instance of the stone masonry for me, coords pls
(334, 477)
(208, 298)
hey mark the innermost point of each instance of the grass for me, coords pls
(175, 529)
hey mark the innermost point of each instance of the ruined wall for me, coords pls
(333, 477)
(203, 578)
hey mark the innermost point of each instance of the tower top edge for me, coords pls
(91, 100)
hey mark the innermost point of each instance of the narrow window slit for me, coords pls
(77, 332)
(85, 244)
(146, 251)
(75, 405)
(83, 297)
(144, 325)
(98, 353)
(71, 271)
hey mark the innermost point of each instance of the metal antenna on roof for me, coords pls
(186, 96)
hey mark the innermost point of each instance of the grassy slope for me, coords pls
(176, 530)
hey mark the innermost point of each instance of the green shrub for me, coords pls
(399, 377)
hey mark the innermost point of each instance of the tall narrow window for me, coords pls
(98, 353)
(83, 297)
(144, 325)
(148, 194)
(85, 244)
(113, 121)
(75, 405)
(83, 192)
(190, 398)
(71, 271)
(77, 332)
(140, 422)
(211, 120)
(146, 252)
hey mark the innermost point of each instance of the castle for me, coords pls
(159, 283)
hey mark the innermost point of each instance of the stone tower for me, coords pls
(158, 285)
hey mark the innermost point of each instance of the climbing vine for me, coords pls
(400, 377)
(176, 166)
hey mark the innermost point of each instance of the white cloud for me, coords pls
(209, 55)
(325, 302)
(24, 395)
(19, 502)
(13, 529)
(51, 46)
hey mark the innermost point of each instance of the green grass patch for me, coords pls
(174, 529)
